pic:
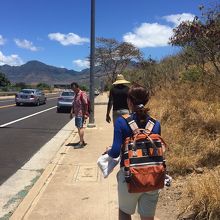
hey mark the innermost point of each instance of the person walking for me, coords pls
(80, 111)
(137, 98)
(118, 98)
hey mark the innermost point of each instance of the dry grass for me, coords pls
(190, 118)
(204, 195)
(190, 124)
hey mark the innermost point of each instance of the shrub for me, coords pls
(43, 86)
(192, 74)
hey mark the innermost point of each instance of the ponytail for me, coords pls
(141, 114)
(139, 96)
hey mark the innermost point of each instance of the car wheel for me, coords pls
(58, 110)
(17, 103)
(38, 102)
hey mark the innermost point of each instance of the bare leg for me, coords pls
(124, 216)
(81, 135)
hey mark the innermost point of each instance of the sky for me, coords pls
(57, 32)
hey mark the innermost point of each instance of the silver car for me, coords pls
(30, 96)
(65, 101)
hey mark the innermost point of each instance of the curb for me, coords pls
(41, 183)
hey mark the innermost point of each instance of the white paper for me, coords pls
(107, 164)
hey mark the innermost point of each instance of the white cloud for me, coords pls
(149, 35)
(154, 34)
(2, 40)
(81, 64)
(12, 60)
(178, 18)
(25, 44)
(68, 39)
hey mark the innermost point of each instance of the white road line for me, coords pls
(20, 119)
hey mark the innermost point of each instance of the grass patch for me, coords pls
(20, 196)
(204, 195)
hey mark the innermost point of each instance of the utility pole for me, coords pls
(92, 62)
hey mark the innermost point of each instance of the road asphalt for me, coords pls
(72, 186)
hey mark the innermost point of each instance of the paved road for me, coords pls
(24, 130)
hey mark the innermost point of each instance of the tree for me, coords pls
(148, 72)
(43, 86)
(21, 85)
(114, 56)
(3, 80)
(202, 35)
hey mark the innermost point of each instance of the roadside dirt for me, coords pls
(167, 207)
(173, 199)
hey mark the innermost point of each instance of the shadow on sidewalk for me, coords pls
(72, 144)
(75, 144)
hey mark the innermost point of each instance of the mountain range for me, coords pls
(34, 72)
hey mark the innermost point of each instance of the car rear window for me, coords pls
(27, 91)
(67, 94)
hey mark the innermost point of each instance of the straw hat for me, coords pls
(120, 80)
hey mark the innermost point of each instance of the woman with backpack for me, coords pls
(138, 97)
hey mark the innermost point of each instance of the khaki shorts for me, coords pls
(146, 202)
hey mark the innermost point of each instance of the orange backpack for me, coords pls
(143, 155)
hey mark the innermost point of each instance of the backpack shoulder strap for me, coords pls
(131, 122)
(150, 125)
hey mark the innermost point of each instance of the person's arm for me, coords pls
(72, 111)
(85, 105)
(109, 107)
(157, 130)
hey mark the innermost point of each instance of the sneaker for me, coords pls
(76, 143)
(78, 146)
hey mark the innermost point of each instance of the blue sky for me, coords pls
(58, 32)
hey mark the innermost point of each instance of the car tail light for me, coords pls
(32, 96)
(60, 98)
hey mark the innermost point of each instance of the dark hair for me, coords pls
(139, 96)
(74, 84)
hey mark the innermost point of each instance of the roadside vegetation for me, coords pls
(6, 87)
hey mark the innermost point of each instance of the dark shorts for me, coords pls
(79, 122)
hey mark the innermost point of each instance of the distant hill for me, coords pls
(34, 72)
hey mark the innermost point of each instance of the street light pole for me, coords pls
(92, 62)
